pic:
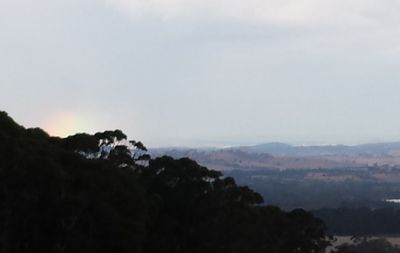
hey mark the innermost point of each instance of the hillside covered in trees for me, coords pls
(103, 193)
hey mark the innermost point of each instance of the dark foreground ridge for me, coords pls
(103, 193)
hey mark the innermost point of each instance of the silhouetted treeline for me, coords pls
(335, 188)
(361, 221)
(103, 193)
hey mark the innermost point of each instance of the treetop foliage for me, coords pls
(103, 193)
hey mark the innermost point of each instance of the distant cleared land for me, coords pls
(309, 177)
(283, 156)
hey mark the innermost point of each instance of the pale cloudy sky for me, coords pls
(204, 72)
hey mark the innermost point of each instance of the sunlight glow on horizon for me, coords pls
(64, 124)
(201, 73)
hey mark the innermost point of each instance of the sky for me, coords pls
(204, 72)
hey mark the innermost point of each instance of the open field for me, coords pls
(393, 239)
(240, 158)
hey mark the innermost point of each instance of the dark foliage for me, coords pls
(292, 189)
(101, 193)
(54, 200)
(361, 221)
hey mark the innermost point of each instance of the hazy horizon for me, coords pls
(204, 73)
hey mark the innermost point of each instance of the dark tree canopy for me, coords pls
(82, 142)
(102, 193)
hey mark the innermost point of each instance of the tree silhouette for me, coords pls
(91, 193)
(201, 211)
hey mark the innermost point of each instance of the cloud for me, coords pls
(290, 12)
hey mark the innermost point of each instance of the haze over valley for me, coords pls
(284, 156)
(310, 177)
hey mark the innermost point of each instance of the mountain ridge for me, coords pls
(277, 155)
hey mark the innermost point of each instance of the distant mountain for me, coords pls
(284, 156)
(281, 149)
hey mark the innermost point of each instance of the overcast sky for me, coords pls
(204, 72)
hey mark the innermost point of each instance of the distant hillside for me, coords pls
(281, 149)
(310, 177)
(285, 156)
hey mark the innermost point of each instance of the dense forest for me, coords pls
(361, 221)
(103, 193)
(346, 206)
(323, 188)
